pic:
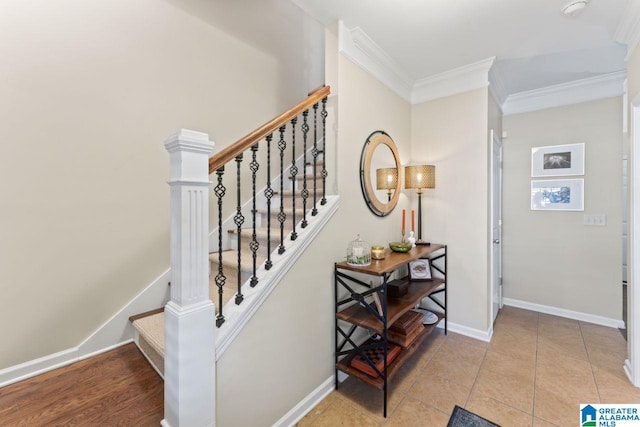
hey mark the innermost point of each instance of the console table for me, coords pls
(356, 310)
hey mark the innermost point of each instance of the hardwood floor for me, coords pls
(117, 388)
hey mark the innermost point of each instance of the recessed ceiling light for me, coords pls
(575, 7)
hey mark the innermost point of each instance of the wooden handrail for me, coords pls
(240, 146)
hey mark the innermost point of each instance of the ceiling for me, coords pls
(535, 45)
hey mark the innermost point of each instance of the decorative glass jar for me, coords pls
(358, 252)
(378, 252)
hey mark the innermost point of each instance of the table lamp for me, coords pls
(420, 177)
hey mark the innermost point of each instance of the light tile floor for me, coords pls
(536, 371)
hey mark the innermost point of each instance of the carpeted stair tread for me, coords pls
(300, 177)
(275, 210)
(261, 233)
(230, 260)
(319, 162)
(152, 329)
(298, 192)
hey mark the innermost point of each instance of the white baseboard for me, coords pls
(576, 315)
(307, 404)
(32, 368)
(118, 328)
(628, 371)
(467, 331)
(114, 333)
(38, 366)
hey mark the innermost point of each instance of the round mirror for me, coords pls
(379, 169)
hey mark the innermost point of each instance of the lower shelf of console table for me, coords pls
(344, 365)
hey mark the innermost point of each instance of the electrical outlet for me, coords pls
(595, 220)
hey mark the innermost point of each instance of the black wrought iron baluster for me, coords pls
(220, 279)
(282, 217)
(293, 172)
(238, 219)
(268, 193)
(254, 245)
(324, 151)
(314, 153)
(305, 192)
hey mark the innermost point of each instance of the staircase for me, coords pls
(240, 280)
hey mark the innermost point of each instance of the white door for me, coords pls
(632, 364)
(625, 208)
(496, 224)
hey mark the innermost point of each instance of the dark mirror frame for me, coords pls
(378, 207)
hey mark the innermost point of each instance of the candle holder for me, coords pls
(358, 253)
(378, 252)
(411, 239)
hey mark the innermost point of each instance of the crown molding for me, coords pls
(628, 31)
(356, 45)
(458, 80)
(590, 89)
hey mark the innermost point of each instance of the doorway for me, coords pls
(496, 224)
(632, 364)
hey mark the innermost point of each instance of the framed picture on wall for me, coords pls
(557, 160)
(557, 195)
(420, 269)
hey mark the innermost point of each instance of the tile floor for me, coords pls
(536, 371)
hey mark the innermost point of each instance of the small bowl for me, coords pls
(400, 246)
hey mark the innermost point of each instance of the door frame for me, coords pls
(494, 139)
(632, 364)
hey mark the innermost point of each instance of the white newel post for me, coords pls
(189, 360)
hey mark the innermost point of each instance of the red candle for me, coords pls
(413, 220)
(403, 213)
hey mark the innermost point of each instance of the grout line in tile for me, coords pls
(486, 350)
(317, 416)
(593, 375)
(426, 363)
(361, 412)
(535, 369)
(415, 379)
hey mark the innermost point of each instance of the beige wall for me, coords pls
(550, 257)
(451, 133)
(296, 356)
(286, 349)
(495, 117)
(91, 90)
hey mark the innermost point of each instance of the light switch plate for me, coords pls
(595, 220)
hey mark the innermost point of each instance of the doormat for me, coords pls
(460, 417)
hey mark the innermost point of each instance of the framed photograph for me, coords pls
(557, 195)
(420, 269)
(557, 160)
